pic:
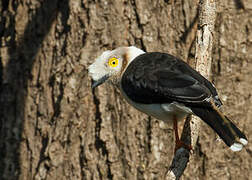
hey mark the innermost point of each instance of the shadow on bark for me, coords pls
(184, 36)
(15, 77)
(239, 4)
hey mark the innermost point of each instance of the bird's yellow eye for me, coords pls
(113, 62)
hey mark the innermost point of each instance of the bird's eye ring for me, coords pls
(113, 62)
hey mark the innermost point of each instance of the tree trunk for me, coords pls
(54, 127)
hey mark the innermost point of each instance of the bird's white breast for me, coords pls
(163, 112)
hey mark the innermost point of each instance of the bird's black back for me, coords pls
(162, 78)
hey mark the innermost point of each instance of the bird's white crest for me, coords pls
(133, 52)
(100, 67)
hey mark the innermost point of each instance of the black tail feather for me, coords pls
(224, 127)
(237, 131)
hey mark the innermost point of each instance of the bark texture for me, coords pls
(54, 127)
(203, 59)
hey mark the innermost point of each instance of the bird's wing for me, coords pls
(162, 78)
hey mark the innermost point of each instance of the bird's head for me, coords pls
(111, 65)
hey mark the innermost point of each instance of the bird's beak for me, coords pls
(99, 81)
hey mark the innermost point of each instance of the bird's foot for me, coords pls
(182, 144)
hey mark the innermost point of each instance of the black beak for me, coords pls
(99, 81)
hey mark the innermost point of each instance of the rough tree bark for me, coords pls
(204, 43)
(54, 127)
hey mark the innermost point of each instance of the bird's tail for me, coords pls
(223, 126)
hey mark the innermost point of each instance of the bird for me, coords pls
(167, 88)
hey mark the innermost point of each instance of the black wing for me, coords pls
(162, 78)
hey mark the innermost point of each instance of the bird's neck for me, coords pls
(132, 53)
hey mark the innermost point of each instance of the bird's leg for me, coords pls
(179, 143)
(175, 128)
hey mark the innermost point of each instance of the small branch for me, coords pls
(204, 41)
(178, 165)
